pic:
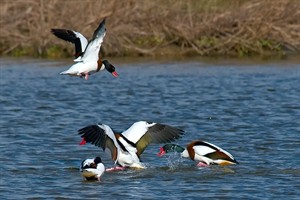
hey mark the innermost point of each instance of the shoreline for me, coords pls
(215, 60)
(233, 28)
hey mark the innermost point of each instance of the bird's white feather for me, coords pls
(83, 40)
(91, 172)
(81, 67)
(137, 130)
(203, 150)
(109, 132)
(91, 53)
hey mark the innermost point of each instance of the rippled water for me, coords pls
(250, 110)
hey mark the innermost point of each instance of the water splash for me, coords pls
(174, 160)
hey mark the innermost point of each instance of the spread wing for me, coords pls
(100, 136)
(74, 37)
(91, 53)
(143, 133)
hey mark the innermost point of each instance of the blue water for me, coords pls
(250, 110)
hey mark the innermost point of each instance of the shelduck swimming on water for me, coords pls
(92, 169)
(86, 53)
(125, 148)
(203, 152)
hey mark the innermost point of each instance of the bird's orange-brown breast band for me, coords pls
(191, 150)
(99, 65)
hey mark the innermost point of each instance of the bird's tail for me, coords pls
(64, 72)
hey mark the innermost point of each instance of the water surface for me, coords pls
(250, 110)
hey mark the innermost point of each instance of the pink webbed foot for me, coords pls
(117, 168)
(86, 76)
(202, 164)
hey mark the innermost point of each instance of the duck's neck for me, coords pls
(174, 148)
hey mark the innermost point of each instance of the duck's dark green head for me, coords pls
(170, 148)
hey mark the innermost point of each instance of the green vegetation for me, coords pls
(235, 28)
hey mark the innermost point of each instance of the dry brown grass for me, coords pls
(156, 27)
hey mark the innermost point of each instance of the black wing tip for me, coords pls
(93, 134)
(64, 34)
(57, 30)
(102, 24)
(176, 132)
(100, 31)
(84, 129)
(54, 31)
(169, 134)
(103, 20)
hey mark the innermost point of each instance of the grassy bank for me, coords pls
(160, 28)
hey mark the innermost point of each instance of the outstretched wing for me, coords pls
(143, 133)
(91, 53)
(100, 136)
(74, 37)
